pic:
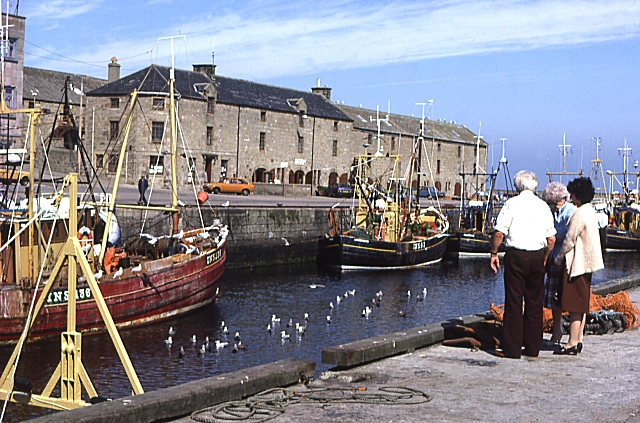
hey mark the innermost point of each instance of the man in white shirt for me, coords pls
(526, 225)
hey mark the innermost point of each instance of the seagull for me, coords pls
(237, 337)
(269, 328)
(225, 330)
(137, 268)
(235, 348)
(408, 293)
(82, 279)
(346, 294)
(352, 292)
(181, 353)
(193, 339)
(338, 299)
(206, 342)
(306, 317)
(222, 324)
(118, 273)
(172, 331)
(98, 276)
(331, 305)
(286, 243)
(301, 329)
(316, 285)
(290, 323)
(275, 319)
(168, 341)
(402, 313)
(225, 204)
(424, 292)
(418, 298)
(181, 203)
(203, 350)
(241, 346)
(284, 335)
(220, 344)
(328, 319)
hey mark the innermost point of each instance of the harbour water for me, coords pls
(247, 301)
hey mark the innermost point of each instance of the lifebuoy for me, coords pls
(85, 238)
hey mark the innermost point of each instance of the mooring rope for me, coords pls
(271, 403)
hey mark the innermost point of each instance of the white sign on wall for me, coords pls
(300, 162)
(284, 165)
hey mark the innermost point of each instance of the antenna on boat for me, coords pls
(596, 168)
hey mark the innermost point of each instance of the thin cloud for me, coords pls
(56, 10)
(257, 41)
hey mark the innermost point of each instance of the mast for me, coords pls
(174, 138)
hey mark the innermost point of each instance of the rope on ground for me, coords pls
(271, 403)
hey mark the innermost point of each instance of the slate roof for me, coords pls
(155, 79)
(364, 119)
(50, 85)
(236, 92)
(239, 92)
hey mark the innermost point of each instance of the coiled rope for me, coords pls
(271, 403)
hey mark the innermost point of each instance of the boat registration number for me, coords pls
(214, 257)
(60, 297)
(421, 245)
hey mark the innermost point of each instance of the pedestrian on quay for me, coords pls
(143, 184)
(582, 254)
(526, 225)
(557, 197)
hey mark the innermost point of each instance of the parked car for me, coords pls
(229, 186)
(429, 192)
(339, 190)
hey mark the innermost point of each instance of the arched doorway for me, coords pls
(333, 178)
(308, 178)
(344, 178)
(457, 189)
(438, 185)
(299, 177)
(261, 175)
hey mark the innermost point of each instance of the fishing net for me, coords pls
(620, 302)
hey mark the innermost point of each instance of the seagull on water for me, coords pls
(220, 344)
(181, 353)
(241, 346)
(424, 292)
(409, 293)
(225, 330)
(275, 319)
(202, 350)
(237, 336)
(172, 331)
(269, 328)
(331, 305)
(306, 317)
(284, 335)
(290, 323)
(137, 268)
(346, 294)
(328, 319)
(352, 292)
(118, 273)
(338, 299)
(168, 341)
(402, 313)
(193, 339)
(316, 285)
(235, 348)
(222, 325)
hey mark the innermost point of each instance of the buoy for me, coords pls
(202, 197)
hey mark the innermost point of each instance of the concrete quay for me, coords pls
(436, 383)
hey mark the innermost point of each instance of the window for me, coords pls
(99, 161)
(32, 104)
(8, 48)
(10, 96)
(262, 137)
(156, 164)
(438, 167)
(158, 103)
(263, 116)
(393, 143)
(115, 103)
(112, 166)
(113, 129)
(210, 104)
(300, 144)
(334, 150)
(157, 130)
(192, 167)
(335, 126)
(439, 147)
(302, 118)
(209, 134)
(459, 151)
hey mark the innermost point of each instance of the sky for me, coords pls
(533, 72)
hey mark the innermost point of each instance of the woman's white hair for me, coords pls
(525, 180)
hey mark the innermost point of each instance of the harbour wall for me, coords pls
(259, 236)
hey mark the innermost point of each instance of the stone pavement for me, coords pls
(602, 384)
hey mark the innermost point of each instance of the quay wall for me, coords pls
(259, 236)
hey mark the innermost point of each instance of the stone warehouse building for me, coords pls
(261, 132)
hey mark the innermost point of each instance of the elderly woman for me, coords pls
(583, 256)
(556, 196)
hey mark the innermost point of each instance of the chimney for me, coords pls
(208, 70)
(323, 91)
(114, 70)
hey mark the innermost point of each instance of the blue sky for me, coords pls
(530, 71)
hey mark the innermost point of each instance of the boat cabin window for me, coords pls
(115, 103)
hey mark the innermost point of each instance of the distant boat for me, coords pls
(385, 231)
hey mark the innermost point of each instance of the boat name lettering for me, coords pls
(417, 246)
(214, 257)
(60, 297)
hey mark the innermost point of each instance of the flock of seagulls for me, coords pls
(285, 329)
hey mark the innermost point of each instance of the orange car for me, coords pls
(229, 185)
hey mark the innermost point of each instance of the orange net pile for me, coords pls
(618, 302)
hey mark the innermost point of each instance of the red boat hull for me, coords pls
(164, 288)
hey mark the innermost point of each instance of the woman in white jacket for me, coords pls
(583, 254)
